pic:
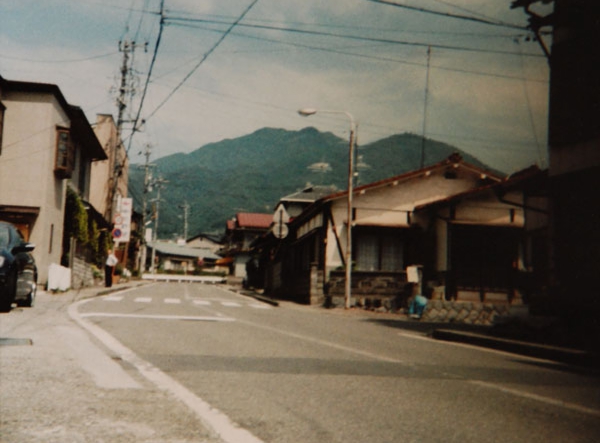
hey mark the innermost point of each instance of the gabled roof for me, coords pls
(176, 250)
(310, 194)
(80, 126)
(519, 179)
(252, 220)
(453, 162)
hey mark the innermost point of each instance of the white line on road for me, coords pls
(201, 302)
(540, 398)
(231, 304)
(518, 393)
(142, 299)
(214, 419)
(113, 298)
(156, 316)
(172, 301)
(106, 372)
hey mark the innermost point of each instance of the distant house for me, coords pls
(239, 235)
(297, 202)
(46, 144)
(205, 241)
(175, 258)
(390, 231)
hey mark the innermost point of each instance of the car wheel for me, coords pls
(29, 300)
(7, 301)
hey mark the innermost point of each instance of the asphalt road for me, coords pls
(254, 372)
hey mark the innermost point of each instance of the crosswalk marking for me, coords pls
(176, 301)
(113, 298)
(143, 299)
(259, 306)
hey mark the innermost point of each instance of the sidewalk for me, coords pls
(47, 394)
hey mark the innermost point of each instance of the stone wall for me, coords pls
(82, 274)
(464, 312)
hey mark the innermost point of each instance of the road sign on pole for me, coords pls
(280, 230)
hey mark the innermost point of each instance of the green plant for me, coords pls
(119, 269)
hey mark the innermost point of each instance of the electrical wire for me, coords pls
(154, 55)
(450, 15)
(204, 57)
(73, 60)
(179, 20)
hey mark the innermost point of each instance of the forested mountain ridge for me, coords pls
(251, 173)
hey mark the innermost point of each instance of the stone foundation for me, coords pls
(473, 313)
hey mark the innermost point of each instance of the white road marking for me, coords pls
(221, 425)
(518, 393)
(540, 398)
(230, 304)
(113, 298)
(259, 306)
(157, 317)
(201, 302)
(142, 299)
(172, 301)
(105, 371)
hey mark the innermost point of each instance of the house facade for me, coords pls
(182, 259)
(240, 233)
(46, 145)
(106, 186)
(441, 218)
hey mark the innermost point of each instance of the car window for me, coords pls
(4, 236)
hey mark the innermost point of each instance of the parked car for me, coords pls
(18, 272)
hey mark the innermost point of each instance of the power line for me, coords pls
(450, 15)
(72, 60)
(204, 57)
(158, 39)
(374, 57)
(179, 20)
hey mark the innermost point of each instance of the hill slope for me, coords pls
(251, 173)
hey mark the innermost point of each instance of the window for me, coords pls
(65, 151)
(379, 251)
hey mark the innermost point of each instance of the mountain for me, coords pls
(251, 173)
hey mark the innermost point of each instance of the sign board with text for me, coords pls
(122, 221)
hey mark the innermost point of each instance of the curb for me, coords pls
(547, 352)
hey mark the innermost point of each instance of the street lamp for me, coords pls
(306, 112)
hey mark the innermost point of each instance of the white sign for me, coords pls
(280, 230)
(122, 221)
(281, 215)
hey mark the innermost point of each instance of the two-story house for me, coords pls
(46, 144)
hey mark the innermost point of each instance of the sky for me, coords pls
(224, 69)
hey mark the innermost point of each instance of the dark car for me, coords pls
(18, 272)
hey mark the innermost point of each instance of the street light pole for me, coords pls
(305, 112)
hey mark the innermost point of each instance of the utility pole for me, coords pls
(185, 208)
(147, 188)
(158, 182)
(126, 89)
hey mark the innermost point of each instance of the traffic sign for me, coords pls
(280, 230)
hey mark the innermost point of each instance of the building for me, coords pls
(390, 231)
(240, 232)
(46, 145)
(105, 189)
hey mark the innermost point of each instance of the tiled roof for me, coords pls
(174, 249)
(254, 220)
